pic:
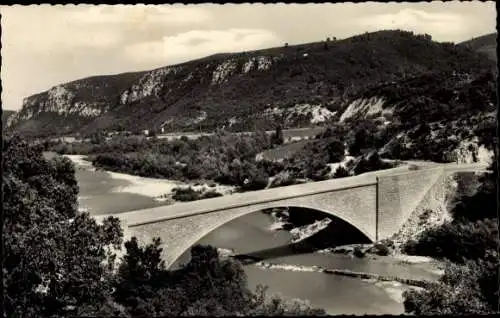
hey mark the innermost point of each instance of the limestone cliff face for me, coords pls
(303, 85)
(150, 84)
(85, 101)
(60, 100)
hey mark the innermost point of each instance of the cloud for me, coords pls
(44, 45)
(439, 24)
(198, 43)
(141, 14)
(46, 28)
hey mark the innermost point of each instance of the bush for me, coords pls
(456, 241)
(210, 194)
(358, 252)
(470, 283)
(380, 249)
(371, 162)
(186, 194)
(341, 172)
(471, 288)
(283, 179)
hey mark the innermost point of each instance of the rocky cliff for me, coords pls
(298, 85)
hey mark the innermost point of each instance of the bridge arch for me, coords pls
(178, 251)
(181, 226)
(377, 208)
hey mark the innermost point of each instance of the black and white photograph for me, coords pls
(253, 159)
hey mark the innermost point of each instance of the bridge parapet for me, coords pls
(355, 205)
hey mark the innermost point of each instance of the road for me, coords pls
(288, 134)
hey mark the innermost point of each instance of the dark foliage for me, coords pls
(54, 257)
(225, 158)
(206, 286)
(58, 262)
(190, 194)
(277, 137)
(341, 172)
(381, 249)
(371, 162)
(457, 241)
(471, 242)
(358, 252)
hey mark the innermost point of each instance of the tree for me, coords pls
(55, 259)
(471, 288)
(360, 140)
(277, 137)
(97, 138)
(207, 285)
(470, 242)
(341, 172)
(483, 204)
(59, 262)
(152, 133)
(335, 151)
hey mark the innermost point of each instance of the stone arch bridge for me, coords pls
(376, 203)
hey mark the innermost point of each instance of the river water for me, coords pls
(252, 234)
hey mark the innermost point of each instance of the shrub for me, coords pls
(371, 162)
(380, 249)
(456, 241)
(186, 194)
(210, 194)
(471, 288)
(341, 172)
(283, 179)
(358, 252)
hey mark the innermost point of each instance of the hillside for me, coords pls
(486, 44)
(432, 116)
(298, 86)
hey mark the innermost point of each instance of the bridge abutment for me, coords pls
(399, 195)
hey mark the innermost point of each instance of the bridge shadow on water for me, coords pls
(337, 233)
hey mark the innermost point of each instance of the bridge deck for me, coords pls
(179, 210)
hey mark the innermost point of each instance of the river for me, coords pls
(100, 194)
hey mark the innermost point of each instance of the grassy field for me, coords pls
(302, 132)
(284, 151)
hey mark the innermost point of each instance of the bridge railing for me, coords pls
(183, 210)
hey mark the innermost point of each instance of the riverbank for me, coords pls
(344, 272)
(161, 190)
(393, 286)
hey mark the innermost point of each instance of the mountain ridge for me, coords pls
(288, 84)
(486, 44)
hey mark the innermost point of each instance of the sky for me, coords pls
(43, 45)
